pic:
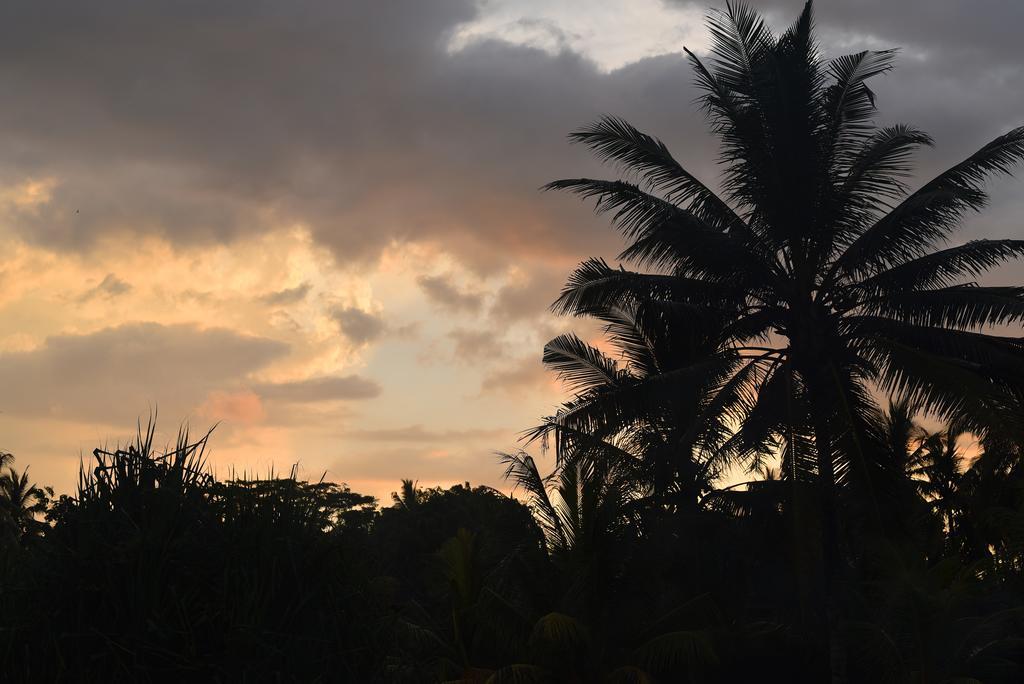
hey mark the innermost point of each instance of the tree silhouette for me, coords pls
(22, 503)
(831, 277)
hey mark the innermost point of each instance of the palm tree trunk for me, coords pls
(830, 533)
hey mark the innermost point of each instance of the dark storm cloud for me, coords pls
(112, 374)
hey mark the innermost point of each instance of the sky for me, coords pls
(317, 224)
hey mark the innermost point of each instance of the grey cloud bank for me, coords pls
(203, 122)
(207, 121)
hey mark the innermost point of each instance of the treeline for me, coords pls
(156, 571)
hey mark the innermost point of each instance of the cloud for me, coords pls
(117, 373)
(244, 407)
(319, 389)
(419, 434)
(290, 295)
(391, 137)
(443, 292)
(408, 331)
(476, 346)
(528, 298)
(357, 325)
(111, 286)
(522, 376)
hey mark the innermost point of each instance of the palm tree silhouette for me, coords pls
(831, 277)
(21, 502)
(645, 409)
(408, 497)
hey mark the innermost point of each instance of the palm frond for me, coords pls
(960, 307)
(594, 287)
(878, 167)
(944, 267)
(849, 102)
(634, 337)
(929, 215)
(579, 365)
(617, 141)
(633, 208)
(945, 386)
(740, 40)
(522, 470)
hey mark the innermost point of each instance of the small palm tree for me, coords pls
(408, 497)
(588, 508)
(831, 277)
(22, 503)
(938, 469)
(979, 499)
(649, 404)
(584, 505)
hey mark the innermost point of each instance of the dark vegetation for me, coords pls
(761, 331)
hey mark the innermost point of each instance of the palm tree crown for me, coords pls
(823, 276)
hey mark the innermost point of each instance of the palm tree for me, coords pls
(21, 502)
(588, 510)
(583, 507)
(832, 278)
(978, 500)
(938, 469)
(646, 406)
(408, 497)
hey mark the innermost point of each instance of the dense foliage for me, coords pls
(732, 496)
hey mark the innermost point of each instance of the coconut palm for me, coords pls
(648, 403)
(584, 506)
(408, 497)
(22, 503)
(978, 499)
(832, 277)
(938, 470)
